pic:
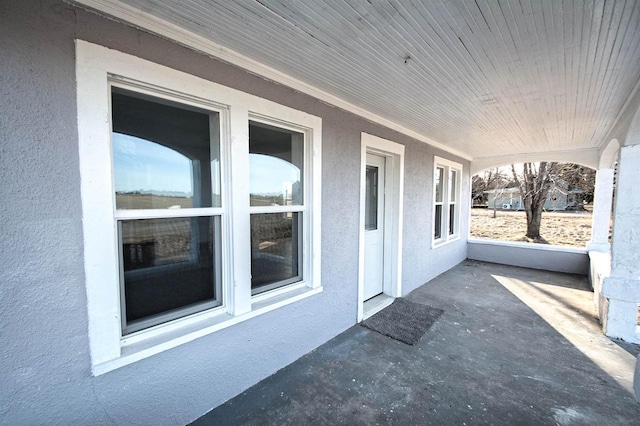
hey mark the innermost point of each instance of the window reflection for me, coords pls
(163, 153)
(275, 165)
(437, 230)
(275, 241)
(169, 264)
(438, 184)
(149, 175)
(453, 185)
(452, 223)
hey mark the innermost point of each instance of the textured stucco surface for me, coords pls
(44, 352)
(557, 259)
(622, 287)
(625, 256)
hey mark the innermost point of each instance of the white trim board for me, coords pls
(394, 152)
(161, 27)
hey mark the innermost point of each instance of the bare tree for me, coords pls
(579, 178)
(489, 179)
(493, 180)
(534, 183)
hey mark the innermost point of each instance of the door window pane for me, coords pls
(165, 154)
(169, 264)
(275, 250)
(371, 199)
(276, 157)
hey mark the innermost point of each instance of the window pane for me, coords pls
(165, 155)
(371, 199)
(439, 183)
(452, 210)
(452, 183)
(438, 222)
(275, 250)
(276, 157)
(168, 264)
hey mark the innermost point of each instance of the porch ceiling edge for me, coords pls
(585, 157)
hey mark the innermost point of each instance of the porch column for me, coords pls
(602, 198)
(622, 287)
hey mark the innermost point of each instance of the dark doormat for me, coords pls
(404, 320)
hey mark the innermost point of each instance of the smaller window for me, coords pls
(446, 197)
(278, 206)
(439, 190)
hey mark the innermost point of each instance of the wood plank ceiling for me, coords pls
(484, 77)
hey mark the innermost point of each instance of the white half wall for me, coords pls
(536, 256)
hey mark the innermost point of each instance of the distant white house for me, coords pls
(558, 198)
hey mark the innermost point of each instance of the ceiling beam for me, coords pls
(587, 157)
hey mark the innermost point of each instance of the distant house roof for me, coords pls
(559, 186)
(502, 191)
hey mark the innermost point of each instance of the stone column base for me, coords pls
(622, 315)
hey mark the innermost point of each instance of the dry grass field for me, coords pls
(558, 228)
(148, 201)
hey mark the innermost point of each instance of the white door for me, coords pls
(374, 226)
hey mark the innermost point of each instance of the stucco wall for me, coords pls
(45, 360)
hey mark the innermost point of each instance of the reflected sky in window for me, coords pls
(281, 173)
(141, 165)
(145, 166)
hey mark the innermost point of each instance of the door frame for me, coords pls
(394, 185)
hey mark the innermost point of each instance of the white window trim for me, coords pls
(96, 66)
(447, 165)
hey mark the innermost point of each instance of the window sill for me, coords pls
(440, 243)
(138, 348)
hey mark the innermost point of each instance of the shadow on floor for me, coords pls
(514, 346)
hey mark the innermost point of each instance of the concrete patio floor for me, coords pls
(514, 346)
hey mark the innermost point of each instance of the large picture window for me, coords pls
(163, 153)
(201, 205)
(446, 200)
